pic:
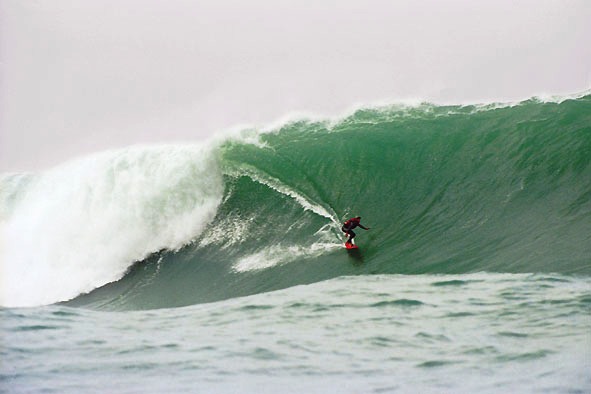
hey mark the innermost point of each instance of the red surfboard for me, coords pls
(351, 246)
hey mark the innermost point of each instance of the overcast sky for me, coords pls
(78, 76)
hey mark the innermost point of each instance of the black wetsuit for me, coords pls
(348, 227)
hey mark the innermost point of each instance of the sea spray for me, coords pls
(81, 225)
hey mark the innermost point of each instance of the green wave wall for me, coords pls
(444, 189)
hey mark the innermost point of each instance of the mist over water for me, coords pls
(82, 78)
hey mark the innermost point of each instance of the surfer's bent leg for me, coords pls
(351, 236)
(350, 233)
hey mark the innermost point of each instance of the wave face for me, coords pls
(445, 189)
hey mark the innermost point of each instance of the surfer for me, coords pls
(348, 227)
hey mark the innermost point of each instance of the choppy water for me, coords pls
(385, 333)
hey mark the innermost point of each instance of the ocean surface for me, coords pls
(220, 266)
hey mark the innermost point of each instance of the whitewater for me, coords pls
(219, 266)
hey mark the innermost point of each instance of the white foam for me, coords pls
(250, 133)
(280, 254)
(275, 184)
(81, 225)
(227, 232)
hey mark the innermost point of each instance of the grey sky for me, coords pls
(84, 76)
